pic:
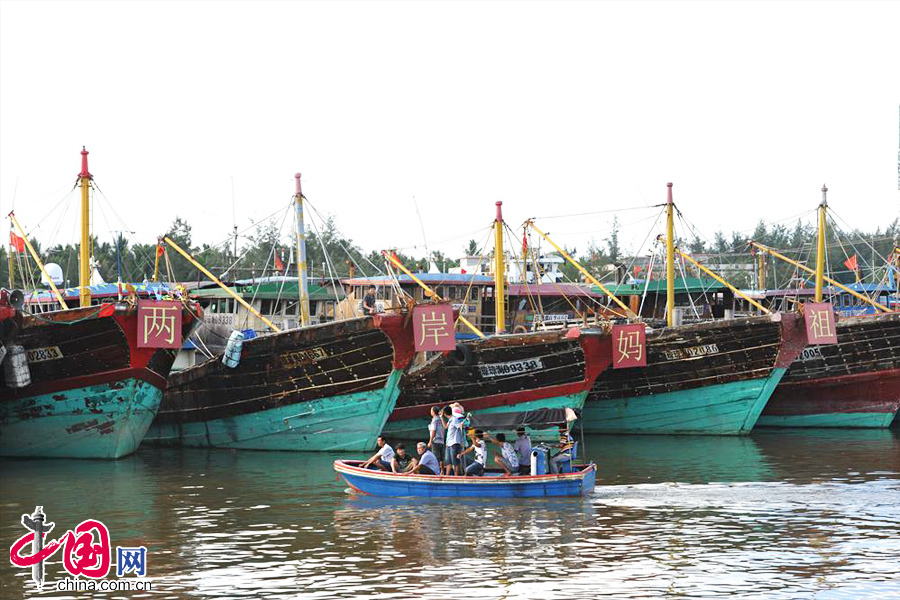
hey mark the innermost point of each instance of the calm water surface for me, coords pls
(782, 514)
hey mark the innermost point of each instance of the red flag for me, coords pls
(637, 270)
(279, 266)
(160, 250)
(463, 271)
(851, 263)
(16, 243)
(524, 242)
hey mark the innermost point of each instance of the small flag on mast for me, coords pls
(851, 263)
(16, 243)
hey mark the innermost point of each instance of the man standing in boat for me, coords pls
(369, 306)
(455, 438)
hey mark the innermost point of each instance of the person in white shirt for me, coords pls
(382, 458)
(506, 459)
(480, 449)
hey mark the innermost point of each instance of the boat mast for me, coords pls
(301, 255)
(670, 260)
(820, 249)
(84, 258)
(499, 286)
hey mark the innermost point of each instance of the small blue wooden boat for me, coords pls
(490, 485)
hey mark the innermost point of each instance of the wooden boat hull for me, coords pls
(380, 483)
(854, 383)
(706, 379)
(322, 388)
(569, 365)
(97, 399)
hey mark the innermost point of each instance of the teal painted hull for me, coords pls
(348, 422)
(408, 429)
(723, 409)
(875, 420)
(98, 421)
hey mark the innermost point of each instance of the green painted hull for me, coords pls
(347, 422)
(723, 409)
(409, 429)
(846, 420)
(96, 421)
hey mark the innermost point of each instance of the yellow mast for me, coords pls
(215, 280)
(40, 265)
(499, 281)
(712, 274)
(836, 284)
(761, 273)
(428, 291)
(84, 256)
(670, 260)
(301, 255)
(585, 272)
(820, 248)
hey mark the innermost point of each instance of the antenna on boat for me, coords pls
(234, 219)
(499, 287)
(84, 257)
(301, 254)
(820, 246)
(670, 260)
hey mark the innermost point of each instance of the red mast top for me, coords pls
(499, 218)
(297, 177)
(669, 199)
(84, 169)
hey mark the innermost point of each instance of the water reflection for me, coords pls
(782, 514)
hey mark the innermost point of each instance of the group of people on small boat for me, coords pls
(443, 453)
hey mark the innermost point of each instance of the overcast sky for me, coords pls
(553, 108)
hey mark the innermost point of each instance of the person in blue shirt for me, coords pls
(455, 437)
(428, 462)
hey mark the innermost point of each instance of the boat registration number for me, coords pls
(511, 368)
(694, 352)
(811, 353)
(42, 354)
(302, 357)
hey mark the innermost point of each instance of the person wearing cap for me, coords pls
(381, 459)
(566, 442)
(428, 462)
(455, 437)
(522, 446)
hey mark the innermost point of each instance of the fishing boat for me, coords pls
(323, 387)
(502, 372)
(706, 378)
(852, 383)
(84, 382)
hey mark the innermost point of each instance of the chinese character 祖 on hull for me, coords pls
(820, 324)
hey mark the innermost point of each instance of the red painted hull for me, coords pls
(877, 392)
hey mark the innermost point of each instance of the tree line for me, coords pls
(329, 253)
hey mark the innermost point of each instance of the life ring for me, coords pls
(520, 329)
(462, 356)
